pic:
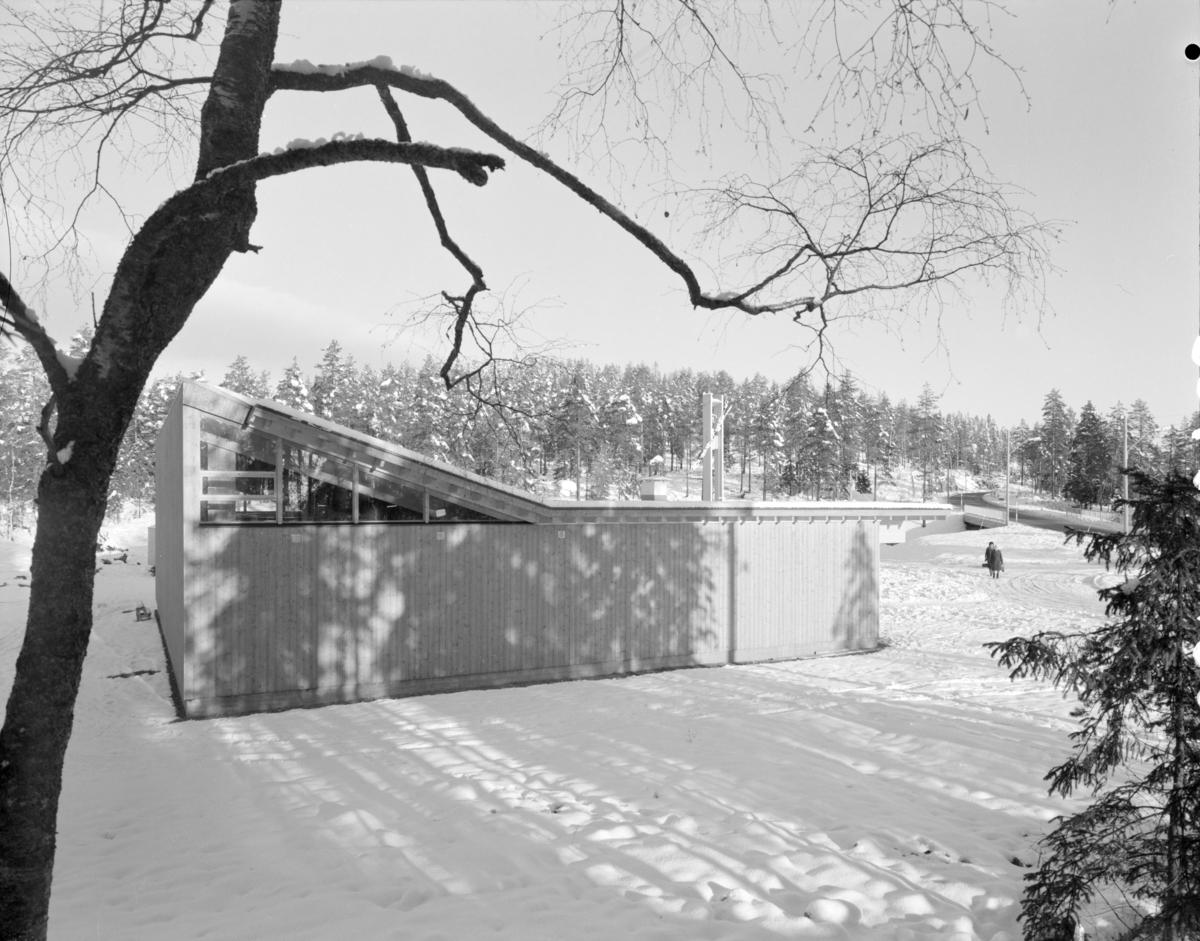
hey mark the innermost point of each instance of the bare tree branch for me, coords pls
(17, 317)
(895, 216)
(72, 75)
(469, 164)
(426, 87)
(898, 218)
(461, 305)
(497, 331)
(913, 56)
(634, 73)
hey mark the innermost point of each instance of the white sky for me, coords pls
(1110, 144)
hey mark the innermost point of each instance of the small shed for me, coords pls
(301, 562)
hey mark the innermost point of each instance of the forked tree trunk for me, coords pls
(169, 265)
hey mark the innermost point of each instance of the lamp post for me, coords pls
(1007, 473)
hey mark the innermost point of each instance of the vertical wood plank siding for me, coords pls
(168, 534)
(286, 616)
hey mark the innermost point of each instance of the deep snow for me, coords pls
(887, 795)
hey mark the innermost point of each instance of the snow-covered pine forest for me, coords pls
(572, 428)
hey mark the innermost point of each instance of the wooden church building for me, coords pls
(301, 562)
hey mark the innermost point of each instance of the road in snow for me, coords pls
(887, 795)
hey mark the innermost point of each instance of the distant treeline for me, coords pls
(602, 427)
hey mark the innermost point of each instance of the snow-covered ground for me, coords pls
(890, 795)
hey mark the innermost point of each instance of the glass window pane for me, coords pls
(237, 511)
(381, 499)
(316, 488)
(225, 446)
(251, 486)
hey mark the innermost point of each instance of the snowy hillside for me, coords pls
(890, 795)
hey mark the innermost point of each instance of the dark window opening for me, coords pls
(442, 511)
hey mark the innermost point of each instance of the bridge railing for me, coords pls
(985, 515)
(1058, 508)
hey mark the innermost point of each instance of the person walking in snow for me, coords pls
(993, 559)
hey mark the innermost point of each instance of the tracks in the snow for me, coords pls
(1063, 589)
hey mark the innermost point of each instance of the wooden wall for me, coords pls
(169, 527)
(286, 616)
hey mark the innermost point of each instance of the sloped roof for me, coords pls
(499, 500)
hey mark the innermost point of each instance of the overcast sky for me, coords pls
(1109, 145)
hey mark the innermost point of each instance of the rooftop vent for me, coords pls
(654, 488)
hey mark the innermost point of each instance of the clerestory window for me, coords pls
(250, 477)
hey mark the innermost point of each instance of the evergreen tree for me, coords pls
(621, 425)
(794, 406)
(1087, 472)
(392, 402)
(81, 342)
(1177, 447)
(133, 477)
(849, 420)
(993, 453)
(335, 389)
(878, 430)
(680, 399)
(1055, 444)
(1143, 437)
(1137, 750)
(292, 390)
(432, 429)
(23, 392)
(1116, 439)
(767, 424)
(575, 421)
(1190, 453)
(239, 377)
(822, 466)
(927, 434)
(1019, 439)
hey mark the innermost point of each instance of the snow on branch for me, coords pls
(338, 79)
(304, 67)
(899, 219)
(301, 155)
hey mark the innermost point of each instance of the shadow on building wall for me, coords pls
(856, 624)
(371, 610)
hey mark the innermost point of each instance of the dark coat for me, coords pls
(995, 560)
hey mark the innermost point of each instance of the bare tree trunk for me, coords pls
(41, 705)
(168, 266)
